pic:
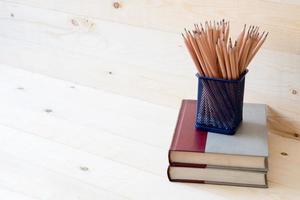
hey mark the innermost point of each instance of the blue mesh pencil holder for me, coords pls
(220, 104)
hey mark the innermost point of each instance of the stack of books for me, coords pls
(202, 157)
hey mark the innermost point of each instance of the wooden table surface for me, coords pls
(88, 106)
(60, 140)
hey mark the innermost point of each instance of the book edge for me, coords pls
(218, 183)
(176, 164)
(265, 169)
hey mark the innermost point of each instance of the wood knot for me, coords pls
(83, 168)
(296, 135)
(74, 22)
(48, 110)
(294, 91)
(284, 153)
(116, 5)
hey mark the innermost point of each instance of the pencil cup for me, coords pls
(220, 104)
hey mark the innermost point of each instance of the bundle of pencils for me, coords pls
(216, 55)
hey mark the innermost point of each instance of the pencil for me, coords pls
(213, 52)
(221, 60)
(196, 62)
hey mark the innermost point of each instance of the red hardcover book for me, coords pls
(186, 136)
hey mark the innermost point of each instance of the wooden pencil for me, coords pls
(245, 53)
(213, 52)
(260, 43)
(197, 51)
(221, 60)
(232, 63)
(193, 55)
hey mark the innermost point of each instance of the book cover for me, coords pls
(247, 149)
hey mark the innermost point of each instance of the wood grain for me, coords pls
(114, 178)
(107, 119)
(123, 161)
(280, 18)
(25, 180)
(87, 112)
(93, 53)
(9, 194)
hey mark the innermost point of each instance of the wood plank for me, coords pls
(93, 140)
(111, 176)
(110, 113)
(12, 195)
(98, 119)
(67, 141)
(160, 66)
(277, 187)
(280, 18)
(24, 180)
(62, 143)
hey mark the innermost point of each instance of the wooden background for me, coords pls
(98, 84)
(156, 60)
(134, 48)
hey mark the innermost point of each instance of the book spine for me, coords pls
(176, 132)
(178, 124)
(168, 173)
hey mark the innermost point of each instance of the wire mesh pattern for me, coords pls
(220, 104)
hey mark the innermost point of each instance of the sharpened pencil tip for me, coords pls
(212, 38)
